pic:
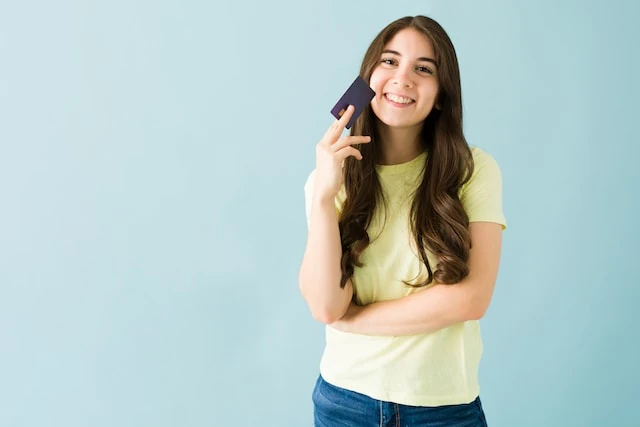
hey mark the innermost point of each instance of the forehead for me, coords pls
(412, 43)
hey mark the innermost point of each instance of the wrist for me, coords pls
(324, 202)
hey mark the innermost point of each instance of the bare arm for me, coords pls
(320, 272)
(438, 306)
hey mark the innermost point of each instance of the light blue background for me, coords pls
(152, 162)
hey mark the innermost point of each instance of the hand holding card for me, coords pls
(331, 153)
(359, 94)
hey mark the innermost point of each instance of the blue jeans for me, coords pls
(337, 407)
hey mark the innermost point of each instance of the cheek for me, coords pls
(376, 83)
(429, 93)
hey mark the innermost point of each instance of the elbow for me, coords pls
(325, 316)
(475, 314)
(477, 298)
(324, 309)
(321, 312)
(476, 310)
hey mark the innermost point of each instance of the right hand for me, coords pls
(331, 152)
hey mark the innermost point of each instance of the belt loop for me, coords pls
(397, 415)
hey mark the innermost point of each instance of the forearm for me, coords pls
(320, 272)
(423, 312)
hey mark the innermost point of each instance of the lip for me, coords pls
(397, 104)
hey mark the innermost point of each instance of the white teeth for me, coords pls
(399, 99)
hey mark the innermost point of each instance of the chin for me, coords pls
(398, 120)
(399, 123)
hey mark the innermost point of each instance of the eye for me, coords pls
(424, 69)
(388, 61)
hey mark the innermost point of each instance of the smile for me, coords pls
(397, 100)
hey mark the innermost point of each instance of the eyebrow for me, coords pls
(422, 58)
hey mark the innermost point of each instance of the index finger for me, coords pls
(338, 125)
(341, 123)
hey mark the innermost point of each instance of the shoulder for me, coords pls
(485, 168)
(482, 159)
(481, 195)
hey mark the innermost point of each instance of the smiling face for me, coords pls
(405, 80)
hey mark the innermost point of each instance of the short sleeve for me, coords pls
(481, 196)
(308, 195)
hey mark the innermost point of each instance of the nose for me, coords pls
(401, 78)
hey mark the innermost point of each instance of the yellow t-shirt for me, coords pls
(440, 368)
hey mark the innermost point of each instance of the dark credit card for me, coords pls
(359, 95)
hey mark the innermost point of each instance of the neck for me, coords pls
(399, 145)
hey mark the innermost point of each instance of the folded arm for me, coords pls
(437, 306)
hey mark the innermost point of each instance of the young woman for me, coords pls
(405, 230)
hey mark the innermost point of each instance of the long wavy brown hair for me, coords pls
(439, 223)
